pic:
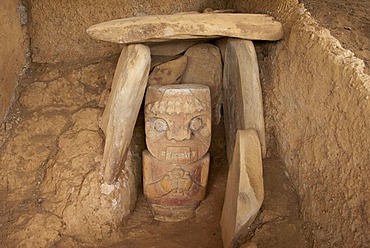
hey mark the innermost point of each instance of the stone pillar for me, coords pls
(178, 136)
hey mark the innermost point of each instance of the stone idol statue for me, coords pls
(178, 136)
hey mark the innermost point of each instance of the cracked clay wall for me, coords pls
(58, 28)
(12, 52)
(317, 115)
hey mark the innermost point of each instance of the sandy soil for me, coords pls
(348, 21)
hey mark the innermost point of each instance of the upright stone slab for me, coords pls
(178, 136)
(244, 190)
(120, 114)
(169, 72)
(205, 67)
(243, 106)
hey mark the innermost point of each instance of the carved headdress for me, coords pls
(166, 100)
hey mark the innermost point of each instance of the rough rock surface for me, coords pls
(205, 67)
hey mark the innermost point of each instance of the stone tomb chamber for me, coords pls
(172, 124)
(178, 104)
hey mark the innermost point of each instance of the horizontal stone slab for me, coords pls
(160, 28)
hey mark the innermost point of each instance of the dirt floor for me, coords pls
(348, 21)
(48, 196)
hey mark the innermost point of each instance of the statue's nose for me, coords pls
(178, 134)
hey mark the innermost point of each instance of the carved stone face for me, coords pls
(178, 122)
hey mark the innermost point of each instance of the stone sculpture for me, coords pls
(178, 136)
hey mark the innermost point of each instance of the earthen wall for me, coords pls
(12, 52)
(317, 115)
(58, 28)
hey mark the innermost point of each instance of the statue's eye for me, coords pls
(196, 124)
(160, 125)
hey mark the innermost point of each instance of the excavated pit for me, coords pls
(317, 115)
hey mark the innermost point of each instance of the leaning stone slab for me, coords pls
(244, 189)
(159, 28)
(243, 107)
(169, 72)
(205, 67)
(123, 106)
